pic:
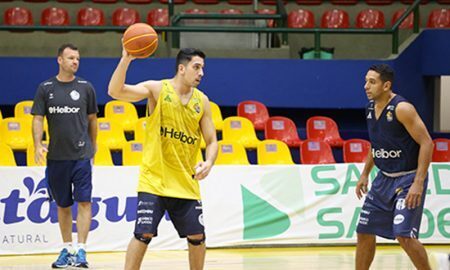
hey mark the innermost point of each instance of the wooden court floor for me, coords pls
(310, 258)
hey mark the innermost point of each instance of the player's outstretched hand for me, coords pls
(202, 169)
(361, 186)
(414, 197)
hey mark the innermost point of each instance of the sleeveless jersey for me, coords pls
(171, 146)
(393, 149)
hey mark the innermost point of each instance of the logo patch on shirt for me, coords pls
(50, 96)
(369, 116)
(389, 116)
(75, 95)
(197, 107)
(167, 98)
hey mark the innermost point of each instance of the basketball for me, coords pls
(140, 40)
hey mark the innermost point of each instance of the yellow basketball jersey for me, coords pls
(171, 146)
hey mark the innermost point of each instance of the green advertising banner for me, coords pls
(304, 204)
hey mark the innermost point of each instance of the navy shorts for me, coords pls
(69, 181)
(384, 212)
(186, 215)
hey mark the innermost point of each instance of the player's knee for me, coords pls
(144, 237)
(363, 237)
(405, 241)
(196, 240)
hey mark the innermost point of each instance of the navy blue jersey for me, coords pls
(393, 149)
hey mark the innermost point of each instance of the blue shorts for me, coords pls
(384, 212)
(186, 215)
(62, 174)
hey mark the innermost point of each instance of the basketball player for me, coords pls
(179, 115)
(401, 149)
(70, 105)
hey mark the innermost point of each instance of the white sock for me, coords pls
(68, 246)
(81, 246)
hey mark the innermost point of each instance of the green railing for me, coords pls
(280, 17)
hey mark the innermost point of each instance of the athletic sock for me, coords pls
(69, 247)
(81, 246)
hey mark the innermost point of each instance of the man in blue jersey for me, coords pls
(401, 149)
(70, 105)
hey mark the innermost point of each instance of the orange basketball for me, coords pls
(140, 40)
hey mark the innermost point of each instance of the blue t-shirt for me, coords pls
(393, 149)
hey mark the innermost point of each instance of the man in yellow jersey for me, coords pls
(179, 115)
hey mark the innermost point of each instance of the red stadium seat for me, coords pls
(379, 2)
(344, 2)
(316, 152)
(206, 2)
(443, 2)
(370, 18)
(356, 150)
(158, 17)
(36, 1)
(439, 18)
(272, 2)
(53, 16)
(335, 18)
(196, 11)
(301, 18)
(254, 111)
(140, 2)
(18, 16)
(90, 17)
(325, 129)
(412, 1)
(70, 1)
(309, 2)
(282, 129)
(125, 17)
(408, 23)
(176, 2)
(231, 11)
(105, 1)
(270, 23)
(240, 2)
(441, 150)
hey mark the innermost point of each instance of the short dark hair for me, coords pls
(385, 71)
(185, 56)
(65, 46)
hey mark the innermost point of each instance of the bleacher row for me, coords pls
(246, 2)
(300, 18)
(238, 134)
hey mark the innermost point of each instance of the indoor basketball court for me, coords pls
(311, 258)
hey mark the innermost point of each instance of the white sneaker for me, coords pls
(440, 261)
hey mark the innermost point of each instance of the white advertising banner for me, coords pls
(243, 205)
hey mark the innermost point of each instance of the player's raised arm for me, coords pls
(132, 93)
